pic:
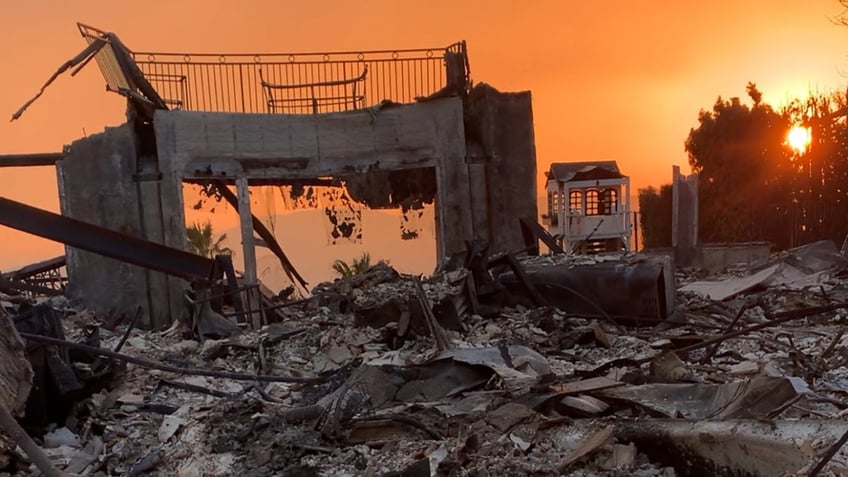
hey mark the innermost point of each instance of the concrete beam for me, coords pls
(262, 146)
(259, 166)
(226, 146)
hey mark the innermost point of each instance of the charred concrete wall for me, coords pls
(684, 217)
(130, 180)
(484, 183)
(502, 164)
(262, 147)
(99, 184)
(715, 258)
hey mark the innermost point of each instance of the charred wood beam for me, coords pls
(99, 240)
(441, 338)
(532, 231)
(831, 451)
(198, 389)
(28, 160)
(129, 330)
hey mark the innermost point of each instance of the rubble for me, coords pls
(497, 364)
(353, 382)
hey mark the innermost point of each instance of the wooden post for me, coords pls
(627, 224)
(635, 231)
(248, 249)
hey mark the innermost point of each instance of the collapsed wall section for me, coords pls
(99, 184)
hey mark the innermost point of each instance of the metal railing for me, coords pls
(298, 83)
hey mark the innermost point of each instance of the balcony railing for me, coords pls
(293, 83)
(582, 227)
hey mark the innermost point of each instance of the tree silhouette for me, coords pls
(201, 241)
(738, 152)
(753, 186)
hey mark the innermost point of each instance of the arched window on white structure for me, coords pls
(592, 205)
(609, 202)
(575, 202)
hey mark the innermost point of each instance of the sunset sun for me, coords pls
(799, 138)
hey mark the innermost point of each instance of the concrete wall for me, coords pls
(479, 195)
(99, 184)
(684, 217)
(202, 145)
(502, 164)
(716, 257)
(132, 182)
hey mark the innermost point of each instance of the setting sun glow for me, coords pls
(799, 138)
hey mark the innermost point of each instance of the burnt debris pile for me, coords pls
(497, 364)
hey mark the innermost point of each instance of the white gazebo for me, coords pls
(589, 206)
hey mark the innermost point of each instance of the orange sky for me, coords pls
(610, 80)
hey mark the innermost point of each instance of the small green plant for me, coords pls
(355, 267)
(202, 242)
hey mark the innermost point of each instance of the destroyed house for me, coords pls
(589, 205)
(396, 127)
(497, 364)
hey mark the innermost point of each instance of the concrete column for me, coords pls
(97, 186)
(454, 219)
(684, 217)
(479, 200)
(627, 224)
(248, 249)
(502, 123)
(564, 208)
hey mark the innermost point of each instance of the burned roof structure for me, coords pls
(579, 171)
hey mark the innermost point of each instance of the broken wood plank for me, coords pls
(583, 405)
(831, 451)
(439, 335)
(588, 446)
